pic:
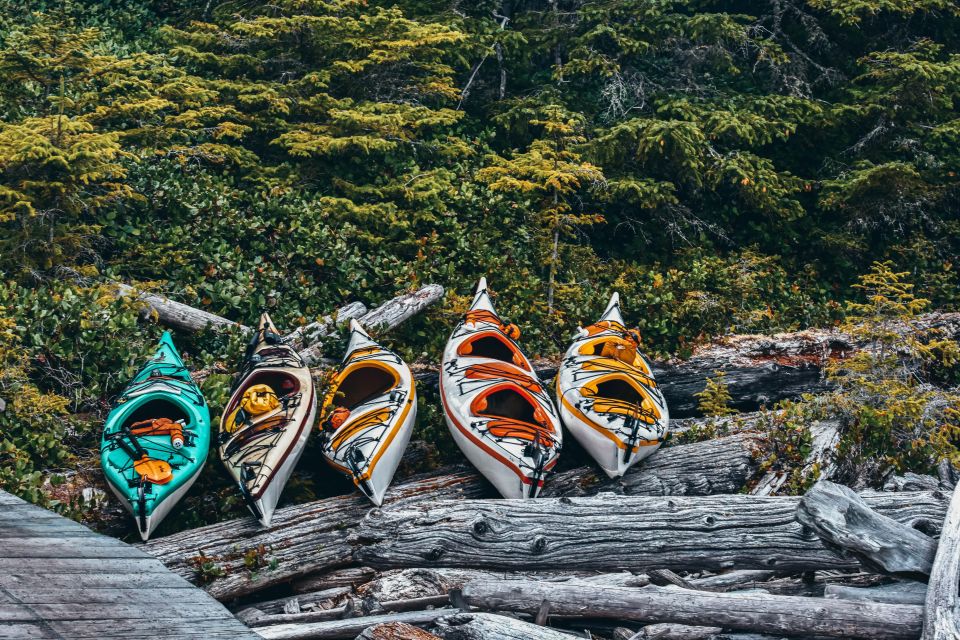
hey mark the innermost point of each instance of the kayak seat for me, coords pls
(494, 346)
(498, 371)
(618, 396)
(153, 409)
(363, 383)
(514, 413)
(506, 428)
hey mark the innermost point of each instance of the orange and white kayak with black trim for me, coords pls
(609, 399)
(368, 414)
(499, 412)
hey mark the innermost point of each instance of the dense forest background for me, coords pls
(726, 166)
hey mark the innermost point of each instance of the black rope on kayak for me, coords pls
(245, 492)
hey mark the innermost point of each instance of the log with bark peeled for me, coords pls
(310, 538)
(843, 519)
(315, 332)
(395, 631)
(175, 314)
(761, 613)
(610, 532)
(941, 615)
(488, 626)
(388, 315)
(669, 631)
(895, 593)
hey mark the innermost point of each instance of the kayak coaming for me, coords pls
(174, 387)
(503, 463)
(604, 434)
(398, 403)
(266, 356)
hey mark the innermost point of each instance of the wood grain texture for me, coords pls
(894, 593)
(395, 631)
(615, 533)
(488, 626)
(941, 615)
(762, 613)
(58, 579)
(844, 520)
(349, 628)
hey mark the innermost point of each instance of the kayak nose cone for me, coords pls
(612, 312)
(481, 298)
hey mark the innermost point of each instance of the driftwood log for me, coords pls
(843, 519)
(311, 538)
(395, 631)
(386, 316)
(941, 617)
(609, 532)
(894, 593)
(176, 314)
(670, 631)
(348, 628)
(761, 613)
(315, 332)
(487, 626)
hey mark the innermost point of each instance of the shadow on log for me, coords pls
(761, 613)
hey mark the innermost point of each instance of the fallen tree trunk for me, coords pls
(761, 613)
(609, 532)
(896, 593)
(941, 615)
(669, 631)
(842, 519)
(348, 628)
(176, 314)
(395, 631)
(310, 538)
(301, 540)
(388, 315)
(723, 465)
(315, 332)
(487, 626)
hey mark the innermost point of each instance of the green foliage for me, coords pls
(715, 399)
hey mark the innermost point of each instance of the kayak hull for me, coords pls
(375, 391)
(162, 388)
(498, 412)
(261, 450)
(609, 399)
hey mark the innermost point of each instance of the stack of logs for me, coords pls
(693, 543)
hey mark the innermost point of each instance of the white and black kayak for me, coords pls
(368, 414)
(499, 412)
(267, 421)
(608, 397)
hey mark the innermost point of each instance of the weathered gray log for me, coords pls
(750, 612)
(301, 540)
(488, 626)
(388, 315)
(670, 631)
(310, 538)
(315, 332)
(614, 533)
(176, 314)
(894, 593)
(745, 578)
(395, 631)
(941, 614)
(841, 518)
(322, 599)
(723, 465)
(322, 615)
(349, 628)
(913, 482)
(348, 577)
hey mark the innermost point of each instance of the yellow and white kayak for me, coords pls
(500, 414)
(267, 421)
(608, 397)
(368, 414)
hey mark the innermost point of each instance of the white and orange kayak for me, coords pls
(368, 414)
(608, 397)
(267, 421)
(499, 412)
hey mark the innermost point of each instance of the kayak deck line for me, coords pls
(128, 588)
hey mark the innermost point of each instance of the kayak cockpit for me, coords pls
(620, 395)
(363, 383)
(154, 409)
(494, 346)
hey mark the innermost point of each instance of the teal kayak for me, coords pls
(156, 438)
